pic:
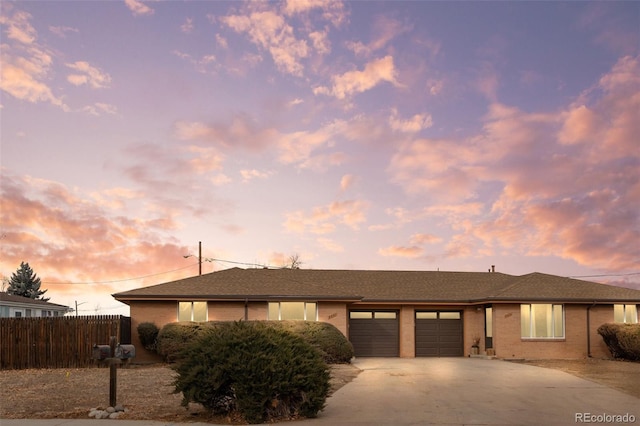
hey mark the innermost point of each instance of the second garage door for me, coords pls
(438, 333)
(374, 333)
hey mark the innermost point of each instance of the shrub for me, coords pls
(608, 332)
(174, 336)
(623, 340)
(261, 372)
(326, 338)
(148, 335)
(629, 341)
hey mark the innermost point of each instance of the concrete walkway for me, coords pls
(449, 391)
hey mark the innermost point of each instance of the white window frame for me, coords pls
(626, 314)
(530, 336)
(206, 315)
(315, 316)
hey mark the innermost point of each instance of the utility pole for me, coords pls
(199, 257)
(78, 304)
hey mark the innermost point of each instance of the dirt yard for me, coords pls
(621, 375)
(146, 391)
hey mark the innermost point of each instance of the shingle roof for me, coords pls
(380, 286)
(6, 297)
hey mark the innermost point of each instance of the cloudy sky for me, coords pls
(368, 135)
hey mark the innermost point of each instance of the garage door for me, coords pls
(374, 333)
(439, 333)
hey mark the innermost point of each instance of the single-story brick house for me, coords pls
(404, 313)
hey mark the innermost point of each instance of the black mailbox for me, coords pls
(125, 351)
(101, 352)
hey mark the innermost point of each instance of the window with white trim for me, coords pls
(192, 311)
(625, 313)
(304, 311)
(541, 321)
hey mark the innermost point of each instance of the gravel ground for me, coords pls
(145, 391)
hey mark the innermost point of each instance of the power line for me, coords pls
(118, 281)
(208, 259)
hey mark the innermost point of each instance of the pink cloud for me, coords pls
(330, 245)
(346, 182)
(401, 251)
(384, 30)
(67, 237)
(411, 125)
(566, 183)
(420, 239)
(352, 82)
(138, 7)
(324, 219)
(271, 32)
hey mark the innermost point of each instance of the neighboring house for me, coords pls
(404, 313)
(12, 306)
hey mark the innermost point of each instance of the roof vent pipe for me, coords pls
(493, 268)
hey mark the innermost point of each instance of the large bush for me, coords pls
(623, 340)
(173, 337)
(148, 335)
(261, 372)
(326, 338)
(332, 345)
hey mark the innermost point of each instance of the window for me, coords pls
(488, 324)
(305, 311)
(192, 311)
(625, 313)
(541, 321)
(444, 315)
(27, 313)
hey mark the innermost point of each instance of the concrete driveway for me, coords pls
(464, 391)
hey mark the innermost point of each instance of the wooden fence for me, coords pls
(57, 342)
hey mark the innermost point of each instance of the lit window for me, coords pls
(625, 313)
(385, 315)
(304, 311)
(488, 311)
(192, 311)
(542, 321)
(426, 315)
(360, 315)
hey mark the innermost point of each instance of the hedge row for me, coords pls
(623, 340)
(330, 343)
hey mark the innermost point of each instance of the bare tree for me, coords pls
(294, 261)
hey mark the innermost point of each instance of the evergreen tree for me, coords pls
(25, 283)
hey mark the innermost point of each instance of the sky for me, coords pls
(397, 135)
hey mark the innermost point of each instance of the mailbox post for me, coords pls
(113, 354)
(113, 373)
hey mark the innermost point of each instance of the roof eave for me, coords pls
(238, 298)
